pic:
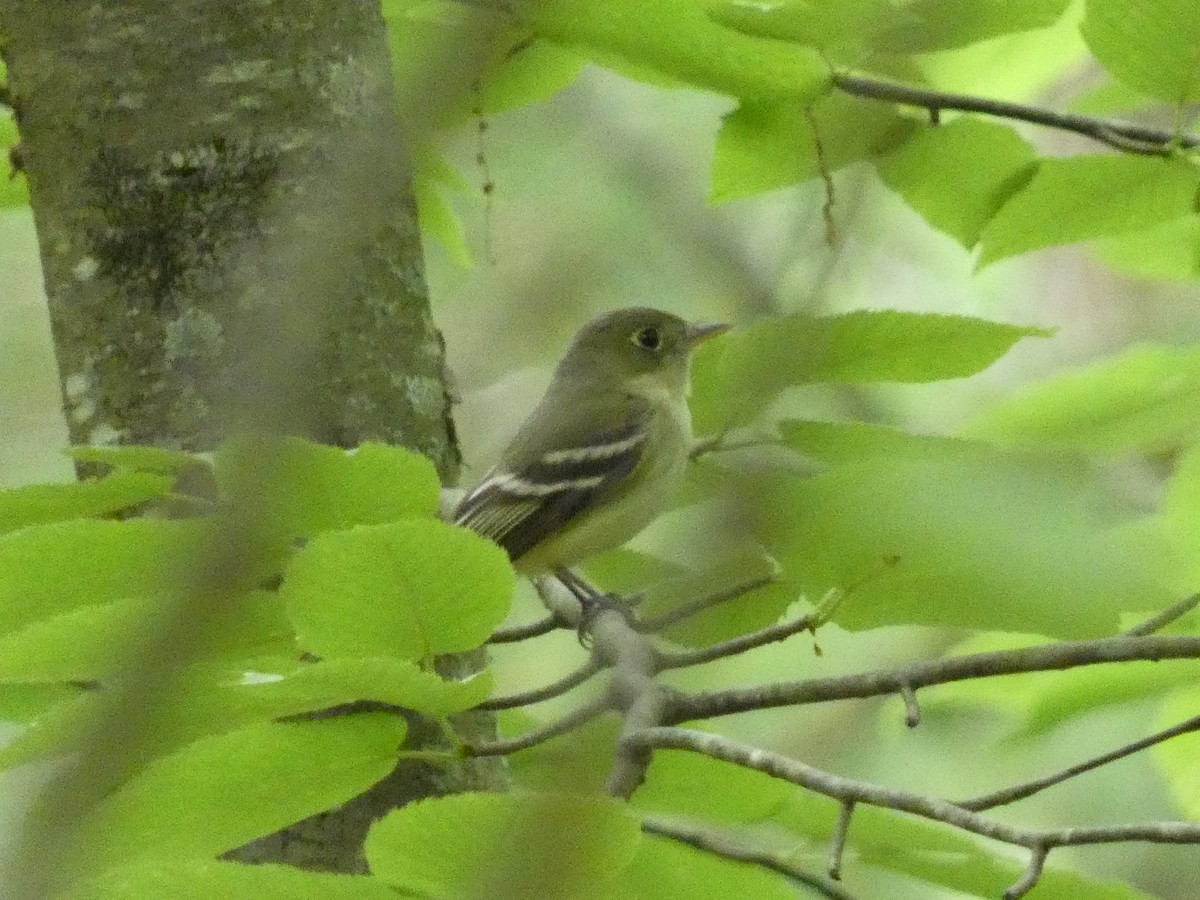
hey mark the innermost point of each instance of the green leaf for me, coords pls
(1123, 193)
(976, 540)
(529, 73)
(1145, 399)
(740, 374)
(767, 145)
(928, 25)
(665, 870)
(731, 794)
(216, 698)
(139, 459)
(512, 845)
(41, 575)
(310, 488)
(439, 219)
(39, 504)
(677, 39)
(94, 642)
(847, 28)
(958, 175)
(1168, 250)
(409, 590)
(206, 879)
(842, 29)
(1151, 45)
(14, 187)
(220, 792)
(26, 702)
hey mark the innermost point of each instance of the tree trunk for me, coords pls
(229, 241)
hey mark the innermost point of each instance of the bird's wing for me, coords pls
(546, 482)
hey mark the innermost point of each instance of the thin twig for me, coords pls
(1165, 618)
(1125, 136)
(1030, 876)
(679, 659)
(720, 845)
(700, 604)
(1049, 657)
(1021, 791)
(837, 843)
(569, 722)
(936, 809)
(912, 709)
(538, 695)
(524, 632)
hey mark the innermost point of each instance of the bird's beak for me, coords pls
(698, 334)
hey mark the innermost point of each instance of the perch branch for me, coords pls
(1128, 137)
(1049, 657)
(847, 790)
(538, 695)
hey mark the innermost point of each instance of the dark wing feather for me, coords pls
(534, 493)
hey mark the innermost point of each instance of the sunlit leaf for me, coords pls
(138, 458)
(738, 375)
(39, 504)
(220, 792)
(764, 146)
(308, 488)
(448, 846)
(1168, 250)
(96, 641)
(1125, 193)
(677, 39)
(1144, 399)
(958, 175)
(206, 879)
(1151, 45)
(410, 589)
(982, 541)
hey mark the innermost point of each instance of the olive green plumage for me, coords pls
(602, 453)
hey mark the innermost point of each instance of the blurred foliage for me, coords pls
(1064, 510)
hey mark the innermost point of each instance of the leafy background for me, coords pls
(627, 186)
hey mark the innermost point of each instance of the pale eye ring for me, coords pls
(648, 338)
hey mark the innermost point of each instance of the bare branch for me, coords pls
(1128, 137)
(1165, 618)
(837, 843)
(679, 659)
(1021, 791)
(720, 845)
(538, 695)
(700, 604)
(912, 710)
(570, 722)
(1049, 657)
(851, 790)
(524, 632)
(1030, 876)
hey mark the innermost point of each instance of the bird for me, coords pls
(602, 453)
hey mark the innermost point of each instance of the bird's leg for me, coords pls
(592, 601)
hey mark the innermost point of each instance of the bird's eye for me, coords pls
(648, 338)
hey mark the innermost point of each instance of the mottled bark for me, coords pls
(213, 183)
(229, 240)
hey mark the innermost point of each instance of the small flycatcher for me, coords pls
(604, 451)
